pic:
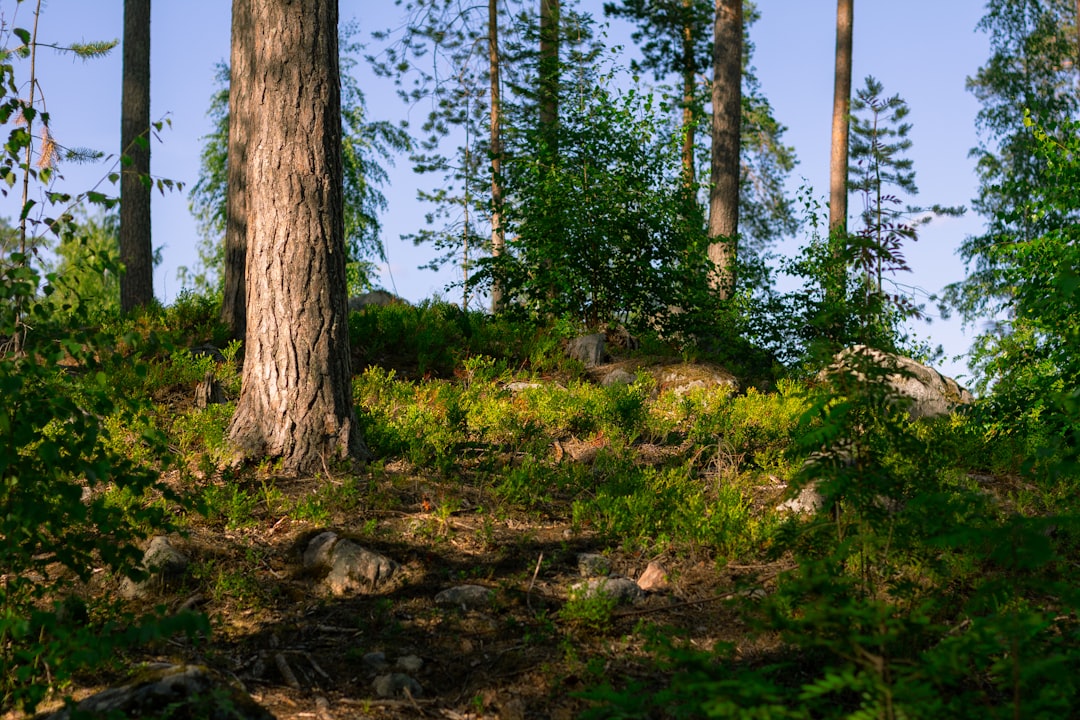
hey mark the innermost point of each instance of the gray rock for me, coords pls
(395, 685)
(808, 501)
(593, 565)
(518, 386)
(588, 349)
(467, 597)
(623, 590)
(172, 691)
(618, 376)
(929, 394)
(754, 594)
(409, 663)
(319, 551)
(684, 377)
(655, 578)
(350, 569)
(375, 297)
(163, 562)
(375, 661)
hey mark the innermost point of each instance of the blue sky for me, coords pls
(922, 49)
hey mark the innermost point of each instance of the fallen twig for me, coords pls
(286, 672)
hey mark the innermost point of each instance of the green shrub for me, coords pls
(60, 428)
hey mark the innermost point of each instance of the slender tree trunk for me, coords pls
(498, 233)
(296, 399)
(136, 250)
(838, 161)
(1076, 61)
(549, 75)
(726, 121)
(234, 302)
(689, 119)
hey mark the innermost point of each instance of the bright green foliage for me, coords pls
(765, 211)
(60, 464)
(1032, 68)
(879, 140)
(914, 596)
(365, 146)
(1033, 360)
(606, 234)
(703, 498)
(88, 268)
(59, 454)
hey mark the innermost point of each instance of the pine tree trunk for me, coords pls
(838, 160)
(234, 302)
(726, 122)
(689, 121)
(549, 75)
(296, 402)
(498, 233)
(136, 251)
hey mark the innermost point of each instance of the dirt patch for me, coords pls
(304, 654)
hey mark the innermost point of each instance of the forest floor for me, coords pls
(530, 652)
(521, 657)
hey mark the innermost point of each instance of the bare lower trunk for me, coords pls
(689, 121)
(726, 122)
(498, 233)
(234, 302)
(136, 250)
(296, 400)
(838, 159)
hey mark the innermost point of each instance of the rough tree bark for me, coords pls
(838, 160)
(498, 233)
(233, 304)
(136, 251)
(689, 81)
(726, 122)
(295, 402)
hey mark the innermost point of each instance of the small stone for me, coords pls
(754, 594)
(356, 570)
(375, 661)
(512, 709)
(396, 684)
(618, 376)
(519, 386)
(409, 663)
(162, 557)
(654, 578)
(623, 590)
(465, 596)
(162, 561)
(808, 501)
(593, 565)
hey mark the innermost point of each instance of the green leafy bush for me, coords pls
(58, 425)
